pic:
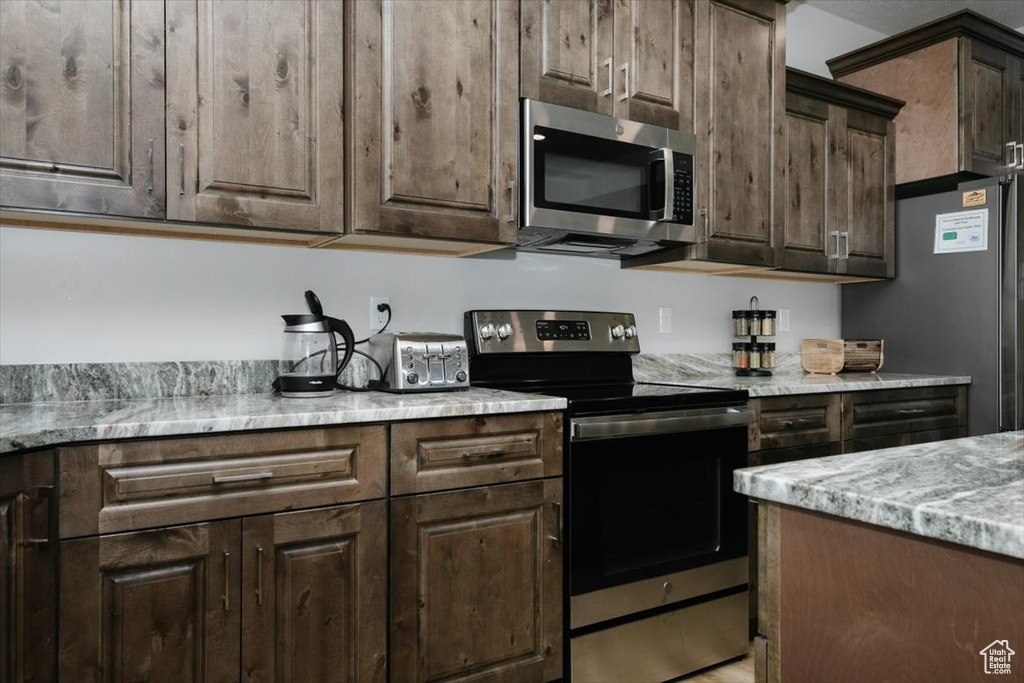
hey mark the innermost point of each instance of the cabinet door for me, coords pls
(255, 122)
(28, 556)
(807, 239)
(867, 208)
(740, 71)
(476, 583)
(154, 605)
(82, 106)
(654, 80)
(567, 56)
(988, 77)
(314, 595)
(436, 107)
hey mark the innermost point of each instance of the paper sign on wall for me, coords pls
(961, 231)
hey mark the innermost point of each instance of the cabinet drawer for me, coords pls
(140, 484)
(437, 455)
(876, 413)
(788, 421)
(871, 443)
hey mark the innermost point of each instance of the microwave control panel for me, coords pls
(682, 196)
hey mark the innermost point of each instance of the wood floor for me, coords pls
(737, 671)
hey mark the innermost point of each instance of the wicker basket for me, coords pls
(863, 355)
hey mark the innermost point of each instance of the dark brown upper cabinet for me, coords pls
(254, 113)
(82, 106)
(434, 107)
(961, 79)
(632, 60)
(838, 197)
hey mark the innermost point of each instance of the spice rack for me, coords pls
(753, 358)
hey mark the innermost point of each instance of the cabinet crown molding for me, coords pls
(842, 94)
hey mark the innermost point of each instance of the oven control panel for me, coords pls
(550, 332)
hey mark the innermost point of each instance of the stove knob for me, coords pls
(412, 378)
(618, 331)
(504, 331)
(630, 332)
(460, 376)
(486, 331)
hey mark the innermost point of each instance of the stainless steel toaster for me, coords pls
(421, 361)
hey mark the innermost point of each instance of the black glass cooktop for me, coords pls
(625, 397)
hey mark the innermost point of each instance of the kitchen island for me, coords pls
(896, 564)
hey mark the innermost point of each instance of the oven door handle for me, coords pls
(645, 424)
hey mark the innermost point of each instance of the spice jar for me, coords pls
(755, 322)
(768, 356)
(755, 351)
(740, 324)
(740, 357)
(768, 323)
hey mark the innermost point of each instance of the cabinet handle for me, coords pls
(149, 167)
(846, 241)
(835, 254)
(1018, 156)
(512, 201)
(910, 411)
(50, 541)
(181, 169)
(625, 82)
(259, 575)
(704, 215)
(483, 455)
(607, 63)
(225, 479)
(227, 581)
(557, 538)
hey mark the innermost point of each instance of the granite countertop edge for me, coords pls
(994, 533)
(28, 426)
(795, 384)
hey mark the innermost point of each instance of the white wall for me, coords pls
(814, 36)
(70, 297)
(79, 297)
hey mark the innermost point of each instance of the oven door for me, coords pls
(593, 174)
(651, 495)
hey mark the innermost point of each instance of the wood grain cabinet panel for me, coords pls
(314, 595)
(255, 121)
(476, 584)
(28, 565)
(740, 119)
(959, 76)
(567, 53)
(81, 106)
(121, 486)
(899, 411)
(156, 605)
(793, 421)
(445, 454)
(434, 100)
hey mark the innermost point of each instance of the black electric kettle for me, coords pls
(309, 365)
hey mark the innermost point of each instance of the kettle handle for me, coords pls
(340, 327)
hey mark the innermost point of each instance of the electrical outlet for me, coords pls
(378, 318)
(665, 320)
(783, 320)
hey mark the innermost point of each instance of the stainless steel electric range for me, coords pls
(656, 569)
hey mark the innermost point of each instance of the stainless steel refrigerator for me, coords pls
(957, 303)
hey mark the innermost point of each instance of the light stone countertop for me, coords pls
(966, 491)
(33, 425)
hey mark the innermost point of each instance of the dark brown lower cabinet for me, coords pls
(298, 596)
(152, 605)
(476, 584)
(28, 554)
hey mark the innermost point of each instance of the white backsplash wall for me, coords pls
(78, 297)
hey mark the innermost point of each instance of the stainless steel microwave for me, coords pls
(601, 186)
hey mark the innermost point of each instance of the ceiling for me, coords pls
(892, 16)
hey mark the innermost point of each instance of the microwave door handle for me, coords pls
(664, 155)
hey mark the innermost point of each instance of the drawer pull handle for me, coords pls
(557, 539)
(482, 455)
(259, 575)
(787, 424)
(227, 580)
(910, 411)
(228, 478)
